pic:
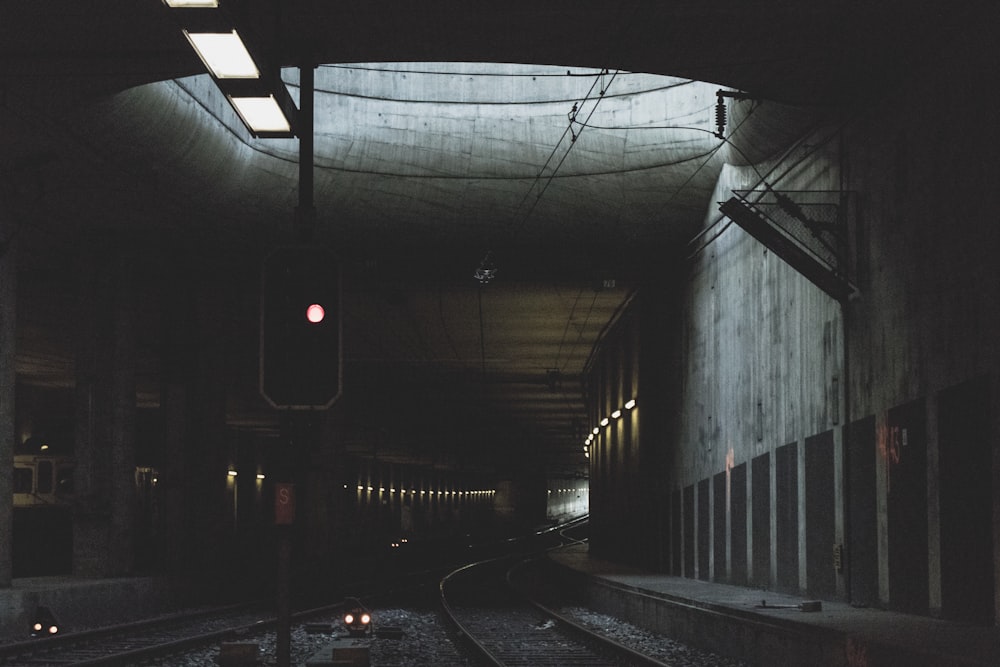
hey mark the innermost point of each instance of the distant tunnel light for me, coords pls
(604, 422)
(616, 414)
(630, 404)
(191, 3)
(224, 54)
(232, 473)
(261, 114)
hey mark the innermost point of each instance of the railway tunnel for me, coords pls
(722, 278)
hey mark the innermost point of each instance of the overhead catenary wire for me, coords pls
(519, 225)
(582, 328)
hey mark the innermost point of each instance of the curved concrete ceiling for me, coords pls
(469, 154)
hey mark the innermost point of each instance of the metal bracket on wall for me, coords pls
(806, 228)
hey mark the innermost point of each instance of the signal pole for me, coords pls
(305, 217)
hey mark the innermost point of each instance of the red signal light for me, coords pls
(315, 313)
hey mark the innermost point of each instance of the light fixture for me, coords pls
(358, 619)
(604, 422)
(239, 65)
(204, 4)
(487, 269)
(630, 404)
(616, 414)
(260, 475)
(224, 54)
(262, 115)
(596, 431)
(232, 473)
(43, 623)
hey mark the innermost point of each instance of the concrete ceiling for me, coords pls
(426, 159)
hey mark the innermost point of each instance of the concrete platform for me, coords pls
(732, 621)
(81, 603)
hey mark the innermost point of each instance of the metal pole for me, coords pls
(305, 212)
(284, 517)
(305, 216)
(283, 648)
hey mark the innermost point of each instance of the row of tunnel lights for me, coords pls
(381, 489)
(362, 488)
(629, 405)
(233, 473)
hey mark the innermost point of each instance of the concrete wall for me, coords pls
(762, 357)
(844, 452)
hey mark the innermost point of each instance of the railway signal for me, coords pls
(300, 337)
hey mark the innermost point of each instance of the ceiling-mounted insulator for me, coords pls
(720, 116)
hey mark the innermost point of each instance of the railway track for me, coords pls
(128, 643)
(507, 629)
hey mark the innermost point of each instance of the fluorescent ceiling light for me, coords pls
(192, 3)
(224, 54)
(261, 114)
